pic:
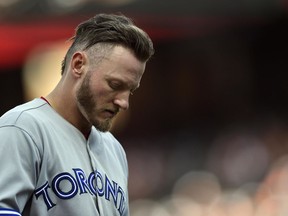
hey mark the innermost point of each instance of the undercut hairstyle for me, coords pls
(110, 29)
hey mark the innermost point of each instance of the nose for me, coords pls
(122, 100)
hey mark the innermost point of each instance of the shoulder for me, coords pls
(23, 113)
(20, 130)
(28, 118)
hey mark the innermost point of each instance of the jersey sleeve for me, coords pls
(19, 167)
(8, 212)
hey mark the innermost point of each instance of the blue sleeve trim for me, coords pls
(8, 212)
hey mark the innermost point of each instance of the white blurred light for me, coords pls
(273, 206)
(67, 3)
(76, 3)
(42, 70)
(184, 206)
(113, 2)
(65, 6)
(231, 203)
(146, 207)
(247, 153)
(203, 187)
(233, 153)
(7, 3)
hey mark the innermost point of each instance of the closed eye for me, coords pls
(115, 85)
(120, 86)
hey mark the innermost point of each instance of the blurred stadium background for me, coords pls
(207, 133)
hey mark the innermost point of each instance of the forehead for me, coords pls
(121, 62)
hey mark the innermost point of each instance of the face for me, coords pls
(107, 86)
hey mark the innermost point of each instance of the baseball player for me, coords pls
(57, 156)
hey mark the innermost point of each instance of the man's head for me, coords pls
(113, 30)
(106, 60)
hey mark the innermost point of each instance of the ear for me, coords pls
(78, 62)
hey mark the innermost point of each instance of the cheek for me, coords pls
(101, 91)
(102, 94)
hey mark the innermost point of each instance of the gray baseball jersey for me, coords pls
(47, 167)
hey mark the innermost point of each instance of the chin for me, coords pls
(103, 126)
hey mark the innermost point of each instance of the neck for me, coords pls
(66, 106)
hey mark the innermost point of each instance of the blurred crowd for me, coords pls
(244, 172)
